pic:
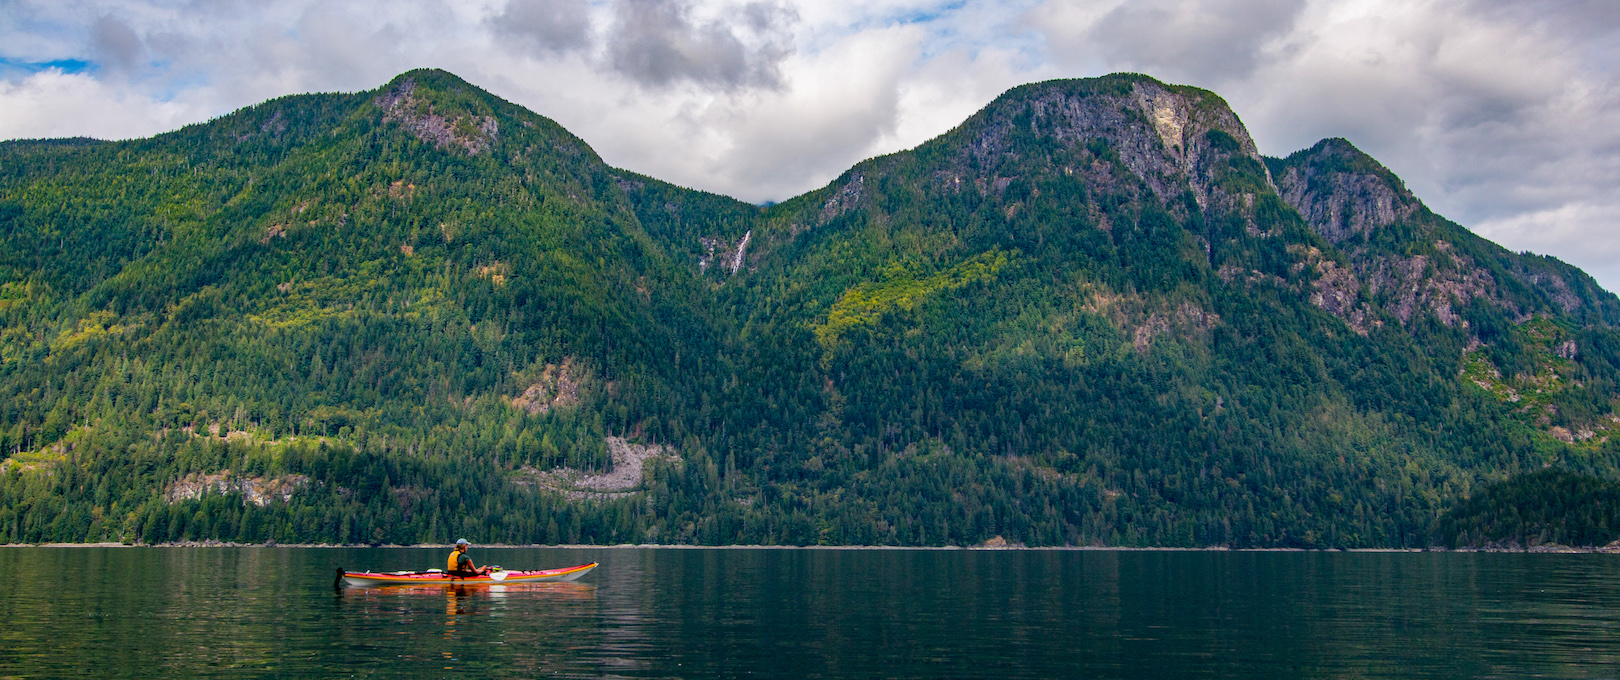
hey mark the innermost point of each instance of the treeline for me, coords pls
(340, 495)
(1545, 507)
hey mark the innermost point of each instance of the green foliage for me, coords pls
(1551, 506)
(1242, 175)
(900, 289)
(1222, 141)
(1005, 332)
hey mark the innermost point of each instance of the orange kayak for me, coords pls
(438, 576)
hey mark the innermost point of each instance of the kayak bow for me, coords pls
(438, 576)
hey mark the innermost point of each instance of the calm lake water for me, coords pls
(263, 612)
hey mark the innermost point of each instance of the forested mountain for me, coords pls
(1092, 314)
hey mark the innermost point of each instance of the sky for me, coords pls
(1503, 115)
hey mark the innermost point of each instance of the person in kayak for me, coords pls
(460, 564)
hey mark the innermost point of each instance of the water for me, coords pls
(272, 612)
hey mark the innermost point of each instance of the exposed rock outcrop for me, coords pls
(259, 491)
(1174, 138)
(1141, 323)
(558, 387)
(471, 133)
(1440, 284)
(1336, 289)
(1342, 192)
(1412, 261)
(626, 477)
(726, 255)
(844, 199)
(1348, 198)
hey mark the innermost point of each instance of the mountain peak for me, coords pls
(433, 77)
(1178, 113)
(453, 115)
(1173, 137)
(1341, 191)
(441, 110)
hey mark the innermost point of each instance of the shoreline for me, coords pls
(1542, 549)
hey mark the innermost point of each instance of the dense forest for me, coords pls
(1541, 508)
(1092, 314)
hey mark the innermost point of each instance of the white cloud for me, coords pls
(1177, 40)
(56, 104)
(760, 143)
(1578, 232)
(544, 27)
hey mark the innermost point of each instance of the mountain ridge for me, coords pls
(1092, 314)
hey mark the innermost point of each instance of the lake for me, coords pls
(728, 613)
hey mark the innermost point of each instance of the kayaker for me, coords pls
(460, 564)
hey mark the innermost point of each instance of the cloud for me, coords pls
(835, 107)
(843, 101)
(544, 27)
(1202, 40)
(115, 44)
(1578, 232)
(659, 42)
(1494, 120)
(1579, 19)
(53, 103)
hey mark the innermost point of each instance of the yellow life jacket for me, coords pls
(455, 560)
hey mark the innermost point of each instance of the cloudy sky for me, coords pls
(1501, 114)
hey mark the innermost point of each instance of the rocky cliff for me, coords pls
(1405, 260)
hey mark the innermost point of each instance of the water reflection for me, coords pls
(495, 629)
(792, 613)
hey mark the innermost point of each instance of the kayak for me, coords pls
(438, 576)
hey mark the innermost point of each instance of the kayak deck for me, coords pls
(437, 576)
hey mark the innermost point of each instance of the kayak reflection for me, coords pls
(535, 591)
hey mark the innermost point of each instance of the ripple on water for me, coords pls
(211, 612)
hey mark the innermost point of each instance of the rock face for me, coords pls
(1171, 137)
(470, 132)
(259, 491)
(1408, 262)
(1437, 284)
(846, 198)
(1341, 192)
(629, 463)
(557, 387)
(726, 255)
(1351, 200)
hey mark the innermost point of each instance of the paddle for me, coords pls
(498, 575)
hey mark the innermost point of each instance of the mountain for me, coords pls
(1092, 314)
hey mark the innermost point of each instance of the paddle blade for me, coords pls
(498, 575)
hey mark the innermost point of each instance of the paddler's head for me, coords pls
(462, 545)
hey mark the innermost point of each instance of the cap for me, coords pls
(462, 541)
